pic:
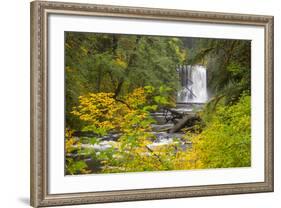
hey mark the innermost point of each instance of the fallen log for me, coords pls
(174, 115)
(187, 120)
(174, 112)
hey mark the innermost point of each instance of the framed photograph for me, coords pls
(142, 103)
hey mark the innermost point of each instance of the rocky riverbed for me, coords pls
(163, 131)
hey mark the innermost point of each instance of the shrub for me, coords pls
(226, 139)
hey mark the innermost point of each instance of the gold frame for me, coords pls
(39, 103)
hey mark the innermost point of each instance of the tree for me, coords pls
(118, 64)
(229, 66)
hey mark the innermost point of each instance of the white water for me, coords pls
(194, 84)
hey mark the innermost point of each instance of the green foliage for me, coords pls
(117, 64)
(73, 166)
(229, 66)
(104, 115)
(226, 139)
(113, 83)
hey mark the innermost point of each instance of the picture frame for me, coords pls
(40, 103)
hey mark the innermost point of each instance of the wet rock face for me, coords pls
(111, 137)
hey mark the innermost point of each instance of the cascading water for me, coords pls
(194, 84)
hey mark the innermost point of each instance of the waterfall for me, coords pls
(194, 84)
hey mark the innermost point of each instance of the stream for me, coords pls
(190, 99)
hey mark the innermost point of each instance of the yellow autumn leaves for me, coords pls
(223, 142)
(104, 114)
(104, 111)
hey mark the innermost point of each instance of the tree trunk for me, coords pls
(182, 123)
(118, 88)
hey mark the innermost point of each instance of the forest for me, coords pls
(138, 103)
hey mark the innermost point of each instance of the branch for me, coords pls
(153, 153)
(123, 102)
